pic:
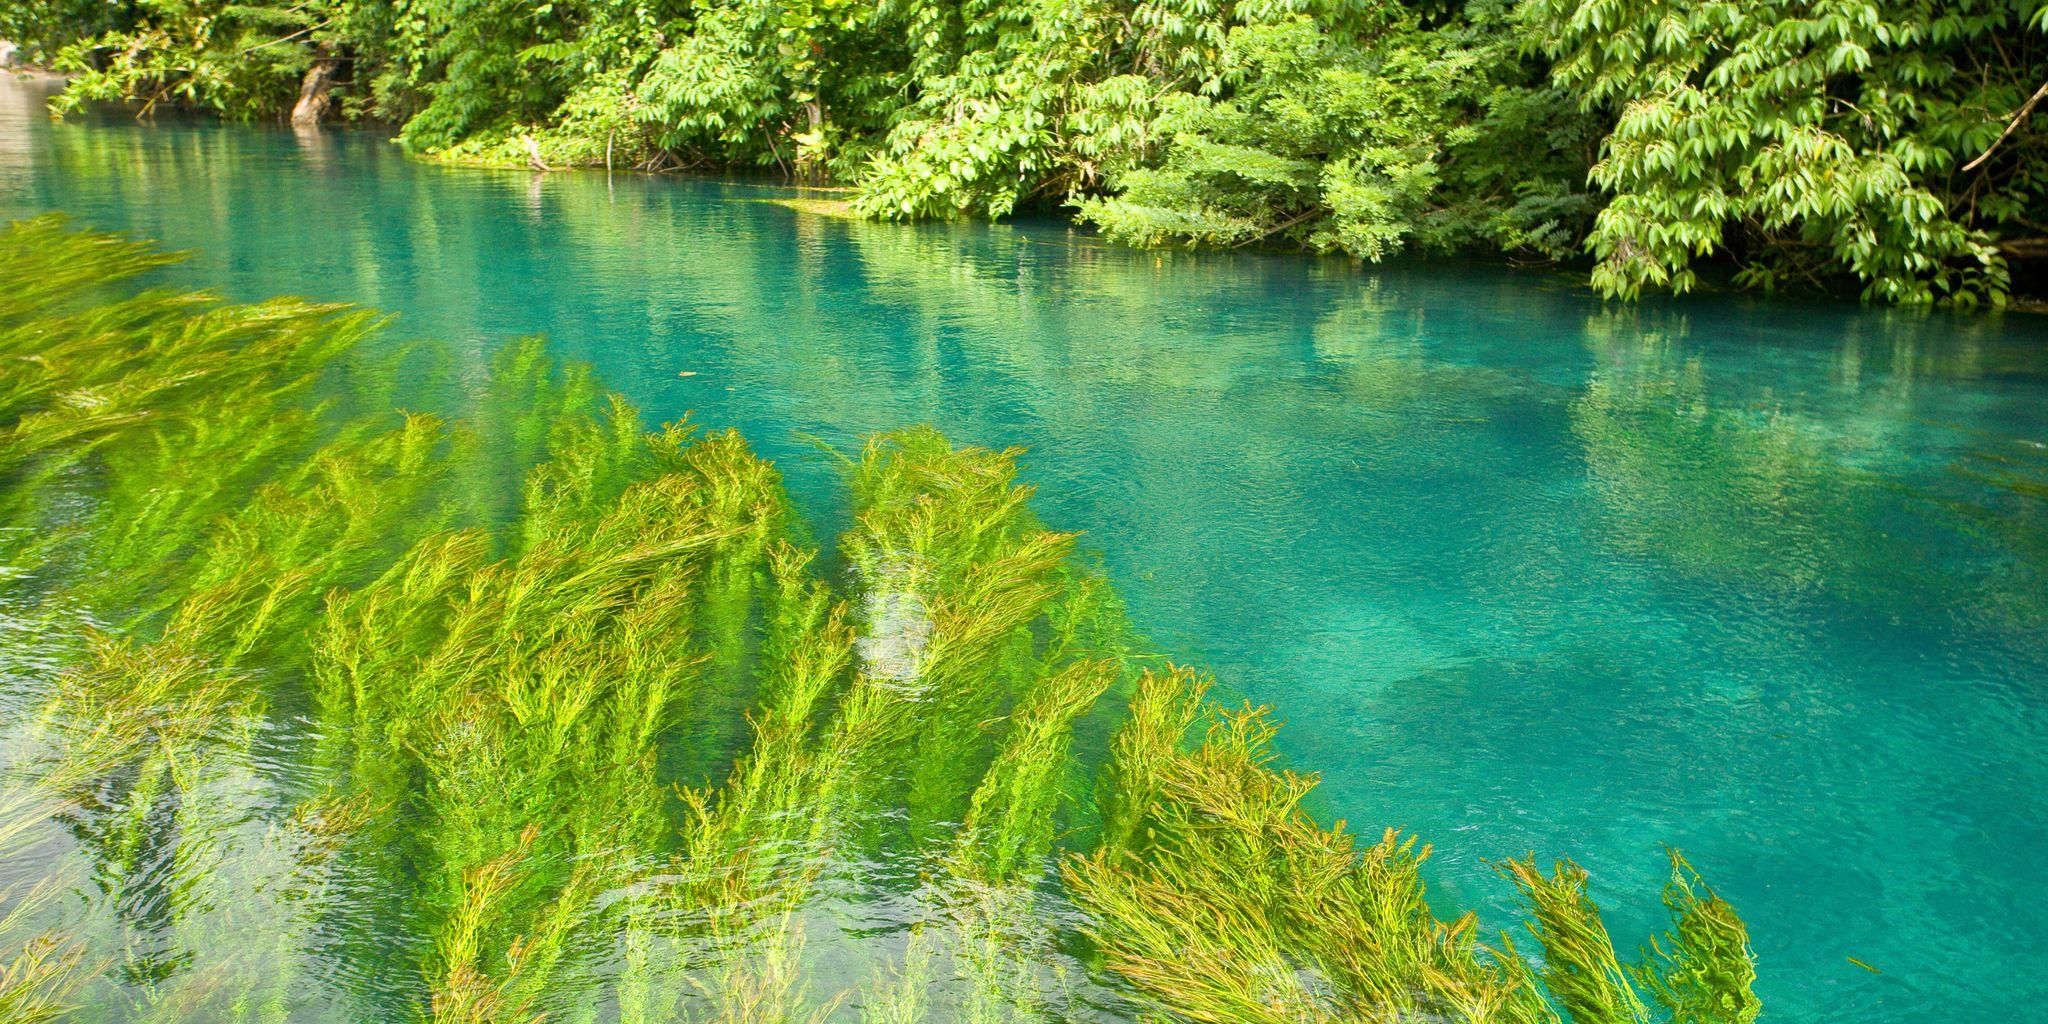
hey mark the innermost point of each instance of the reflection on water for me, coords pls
(1766, 581)
(1808, 499)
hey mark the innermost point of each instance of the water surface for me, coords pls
(1767, 581)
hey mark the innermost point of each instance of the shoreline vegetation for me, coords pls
(1887, 147)
(529, 710)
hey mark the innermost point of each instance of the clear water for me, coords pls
(1766, 581)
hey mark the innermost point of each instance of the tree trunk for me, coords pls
(313, 91)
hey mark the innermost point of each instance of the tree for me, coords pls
(1807, 138)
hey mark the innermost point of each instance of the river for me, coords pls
(1765, 580)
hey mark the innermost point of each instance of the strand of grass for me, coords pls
(310, 842)
(149, 755)
(1008, 956)
(1579, 964)
(947, 540)
(156, 500)
(532, 407)
(764, 984)
(806, 653)
(50, 964)
(249, 897)
(39, 985)
(1163, 707)
(291, 546)
(187, 408)
(645, 989)
(258, 353)
(44, 262)
(989, 945)
(93, 346)
(584, 483)
(47, 966)
(744, 494)
(262, 578)
(128, 698)
(753, 849)
(185, 417)
(465, 993)
(904, 995)
(1221, 900)
(591, 458)
(370, 638)
(1008, 829)
(952, 570)
(1702, 971)
(554, 675)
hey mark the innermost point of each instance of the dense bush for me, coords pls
(1884, 143)
(1809, 138)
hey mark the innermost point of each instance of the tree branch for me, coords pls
(2010, 126)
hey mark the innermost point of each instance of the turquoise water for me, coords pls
(1523, 572)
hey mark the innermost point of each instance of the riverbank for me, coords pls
(1527, 130)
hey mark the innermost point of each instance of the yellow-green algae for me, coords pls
(613, 743)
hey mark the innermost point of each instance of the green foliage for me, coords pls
(461, 68)
(1700, 972)
(756, 81)
(1350, 127)
(1328, 138)
(994, 84)
(1808, 139)
(1891, 143)
(240, 60)
(45, 27)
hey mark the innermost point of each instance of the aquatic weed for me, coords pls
(614, 744)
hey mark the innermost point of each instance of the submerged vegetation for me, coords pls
(307, 720)
(1887, 144)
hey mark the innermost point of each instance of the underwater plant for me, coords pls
(530, 711)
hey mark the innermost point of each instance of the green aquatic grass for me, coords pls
(1698, 971)
(529, 711)
(190, 910)
(1580, 965)
(1701, 970)
(39, 984)
(1228, 902)
(47, 264)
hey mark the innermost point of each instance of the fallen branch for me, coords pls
(533, 154)
(1284, 225)
(2024, 248)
